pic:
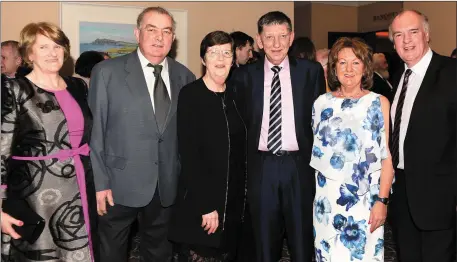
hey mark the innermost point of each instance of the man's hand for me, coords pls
(103, 197)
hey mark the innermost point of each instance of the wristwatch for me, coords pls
(384, 200)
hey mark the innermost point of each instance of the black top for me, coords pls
(380, 86)
(211, 144)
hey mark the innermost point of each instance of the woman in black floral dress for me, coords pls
(46, 125)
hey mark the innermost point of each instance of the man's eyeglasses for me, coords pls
(213, 53)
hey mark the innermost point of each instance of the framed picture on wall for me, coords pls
(109, 28)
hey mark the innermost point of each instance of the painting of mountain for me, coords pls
(114, 39)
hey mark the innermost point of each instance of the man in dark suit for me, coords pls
(381, 84)
(423, 145)
(280, 92)
(134, 139)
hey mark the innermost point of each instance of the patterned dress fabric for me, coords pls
(39, 123)
(349, 145)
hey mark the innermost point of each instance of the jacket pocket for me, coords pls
(115, 162)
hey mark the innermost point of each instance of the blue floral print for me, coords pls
(321, 180)
(348, 196)
(325, 245)
(354, 238)
(348, 103)
(349, 145)
(317, 152)
(374, 122)
(322, 209)
(337, 161)
(379, 247)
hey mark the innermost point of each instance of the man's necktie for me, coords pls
(161, 98)
(397, 121)
(274, 130)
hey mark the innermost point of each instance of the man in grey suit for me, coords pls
(134, 144)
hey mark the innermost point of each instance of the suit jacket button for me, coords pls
(160, 140)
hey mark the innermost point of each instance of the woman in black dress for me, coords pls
(45, 164)
(212, 145)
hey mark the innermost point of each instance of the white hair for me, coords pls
(424, 18)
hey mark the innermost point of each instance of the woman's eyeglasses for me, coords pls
(213, 53)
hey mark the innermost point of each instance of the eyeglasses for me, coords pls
(213, 53)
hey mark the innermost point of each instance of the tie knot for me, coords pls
(276, 69)
(408, 72)
(157, 69)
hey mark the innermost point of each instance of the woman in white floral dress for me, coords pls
(354, 172)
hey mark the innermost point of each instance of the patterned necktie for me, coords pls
(397, 122)
(161, 98)
(274, 130)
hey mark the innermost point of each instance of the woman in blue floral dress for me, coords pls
(354, 172)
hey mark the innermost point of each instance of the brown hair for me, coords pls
(361, 50)
(29, 34)
(157, 9)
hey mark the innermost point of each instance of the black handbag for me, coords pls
(33, 225)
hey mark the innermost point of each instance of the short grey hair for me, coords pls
(14, 46)
(424, 18)
(157, 9)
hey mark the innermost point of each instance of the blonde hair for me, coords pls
(29, 34)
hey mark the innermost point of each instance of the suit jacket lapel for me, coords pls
(258, 94)
(297, 93)
(139, 89)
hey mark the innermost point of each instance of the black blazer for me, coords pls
(430, 147)
(380, 86)
(308, 83)
(204, 153)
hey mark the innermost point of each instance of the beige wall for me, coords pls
(442, 19)
(331, 18)
(203, 17)
(366, 14)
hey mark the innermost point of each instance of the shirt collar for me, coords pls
(284, 64)
(421, 67)
(144, 61)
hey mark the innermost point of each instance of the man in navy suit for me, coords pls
(280, 92)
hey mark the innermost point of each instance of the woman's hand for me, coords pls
(7, 225)
(210, 222)
(377, 216)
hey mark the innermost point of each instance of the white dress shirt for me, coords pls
(149, 75)
(414, 83)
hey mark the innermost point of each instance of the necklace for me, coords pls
(221, 97)
(216, 93)
(356, 95)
